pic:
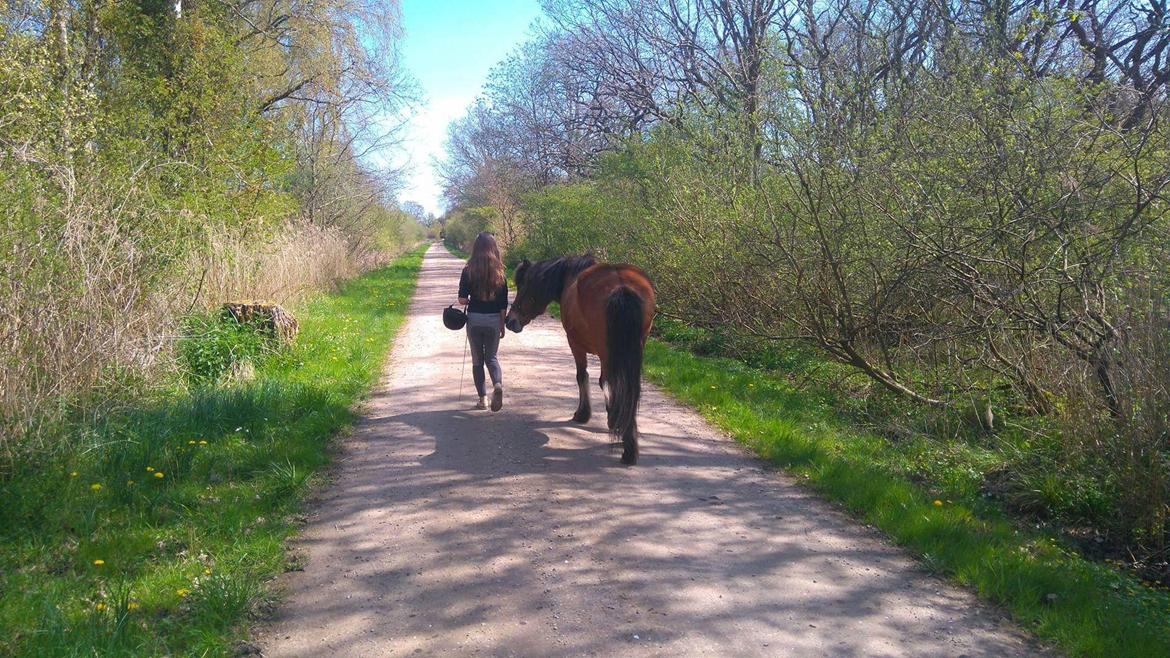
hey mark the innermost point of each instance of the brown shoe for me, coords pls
(497, 398)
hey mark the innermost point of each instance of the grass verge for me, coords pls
(1083, 607)
(157, 536)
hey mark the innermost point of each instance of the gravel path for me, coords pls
(448, 531)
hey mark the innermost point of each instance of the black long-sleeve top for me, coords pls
(494, 305)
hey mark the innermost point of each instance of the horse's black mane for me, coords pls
(548, 277)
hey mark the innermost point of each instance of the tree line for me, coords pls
(964, 203)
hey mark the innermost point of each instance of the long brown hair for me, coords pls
(485, 268)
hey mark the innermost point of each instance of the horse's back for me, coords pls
(595, 284)
(583, 306)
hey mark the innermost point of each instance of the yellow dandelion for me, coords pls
(190, 443)
(133, 605)
(73, 474)
(100, 606)
(207, 572)
(183, 592)
(149, 469)
(98, 563)
(130, 483)
(159, 474)
(95, 487)
(202, 443)
(938, 503)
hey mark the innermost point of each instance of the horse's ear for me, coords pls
(521, 270)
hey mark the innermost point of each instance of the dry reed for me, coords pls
(87, 314)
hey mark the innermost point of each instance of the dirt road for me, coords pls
(449, 531)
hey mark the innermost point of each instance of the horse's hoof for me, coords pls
(629, 458)
(581, 417)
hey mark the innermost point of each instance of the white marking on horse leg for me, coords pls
(583, 407)
(583, 392)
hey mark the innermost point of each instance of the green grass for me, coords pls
(188, 499)
(1083, 607)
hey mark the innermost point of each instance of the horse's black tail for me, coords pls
(623, 372)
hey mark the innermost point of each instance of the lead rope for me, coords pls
(463, 369)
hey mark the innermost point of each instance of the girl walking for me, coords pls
(483, 289)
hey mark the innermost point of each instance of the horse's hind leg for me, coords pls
(604, 394)
(584, 409)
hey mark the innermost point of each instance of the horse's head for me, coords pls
(539, 284)
(526, 305)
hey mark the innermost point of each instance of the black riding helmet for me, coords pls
(453, 318)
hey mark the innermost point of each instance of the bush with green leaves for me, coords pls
(214, 344)
(463, 224)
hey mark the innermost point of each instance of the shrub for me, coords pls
(464, 224)
(213, 344)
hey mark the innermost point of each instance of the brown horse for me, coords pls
(607, 309)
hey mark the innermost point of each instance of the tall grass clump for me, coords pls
(298, 259)
(213, 344)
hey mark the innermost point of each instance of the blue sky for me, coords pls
(450, 47)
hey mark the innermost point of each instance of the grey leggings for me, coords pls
(483, 334)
